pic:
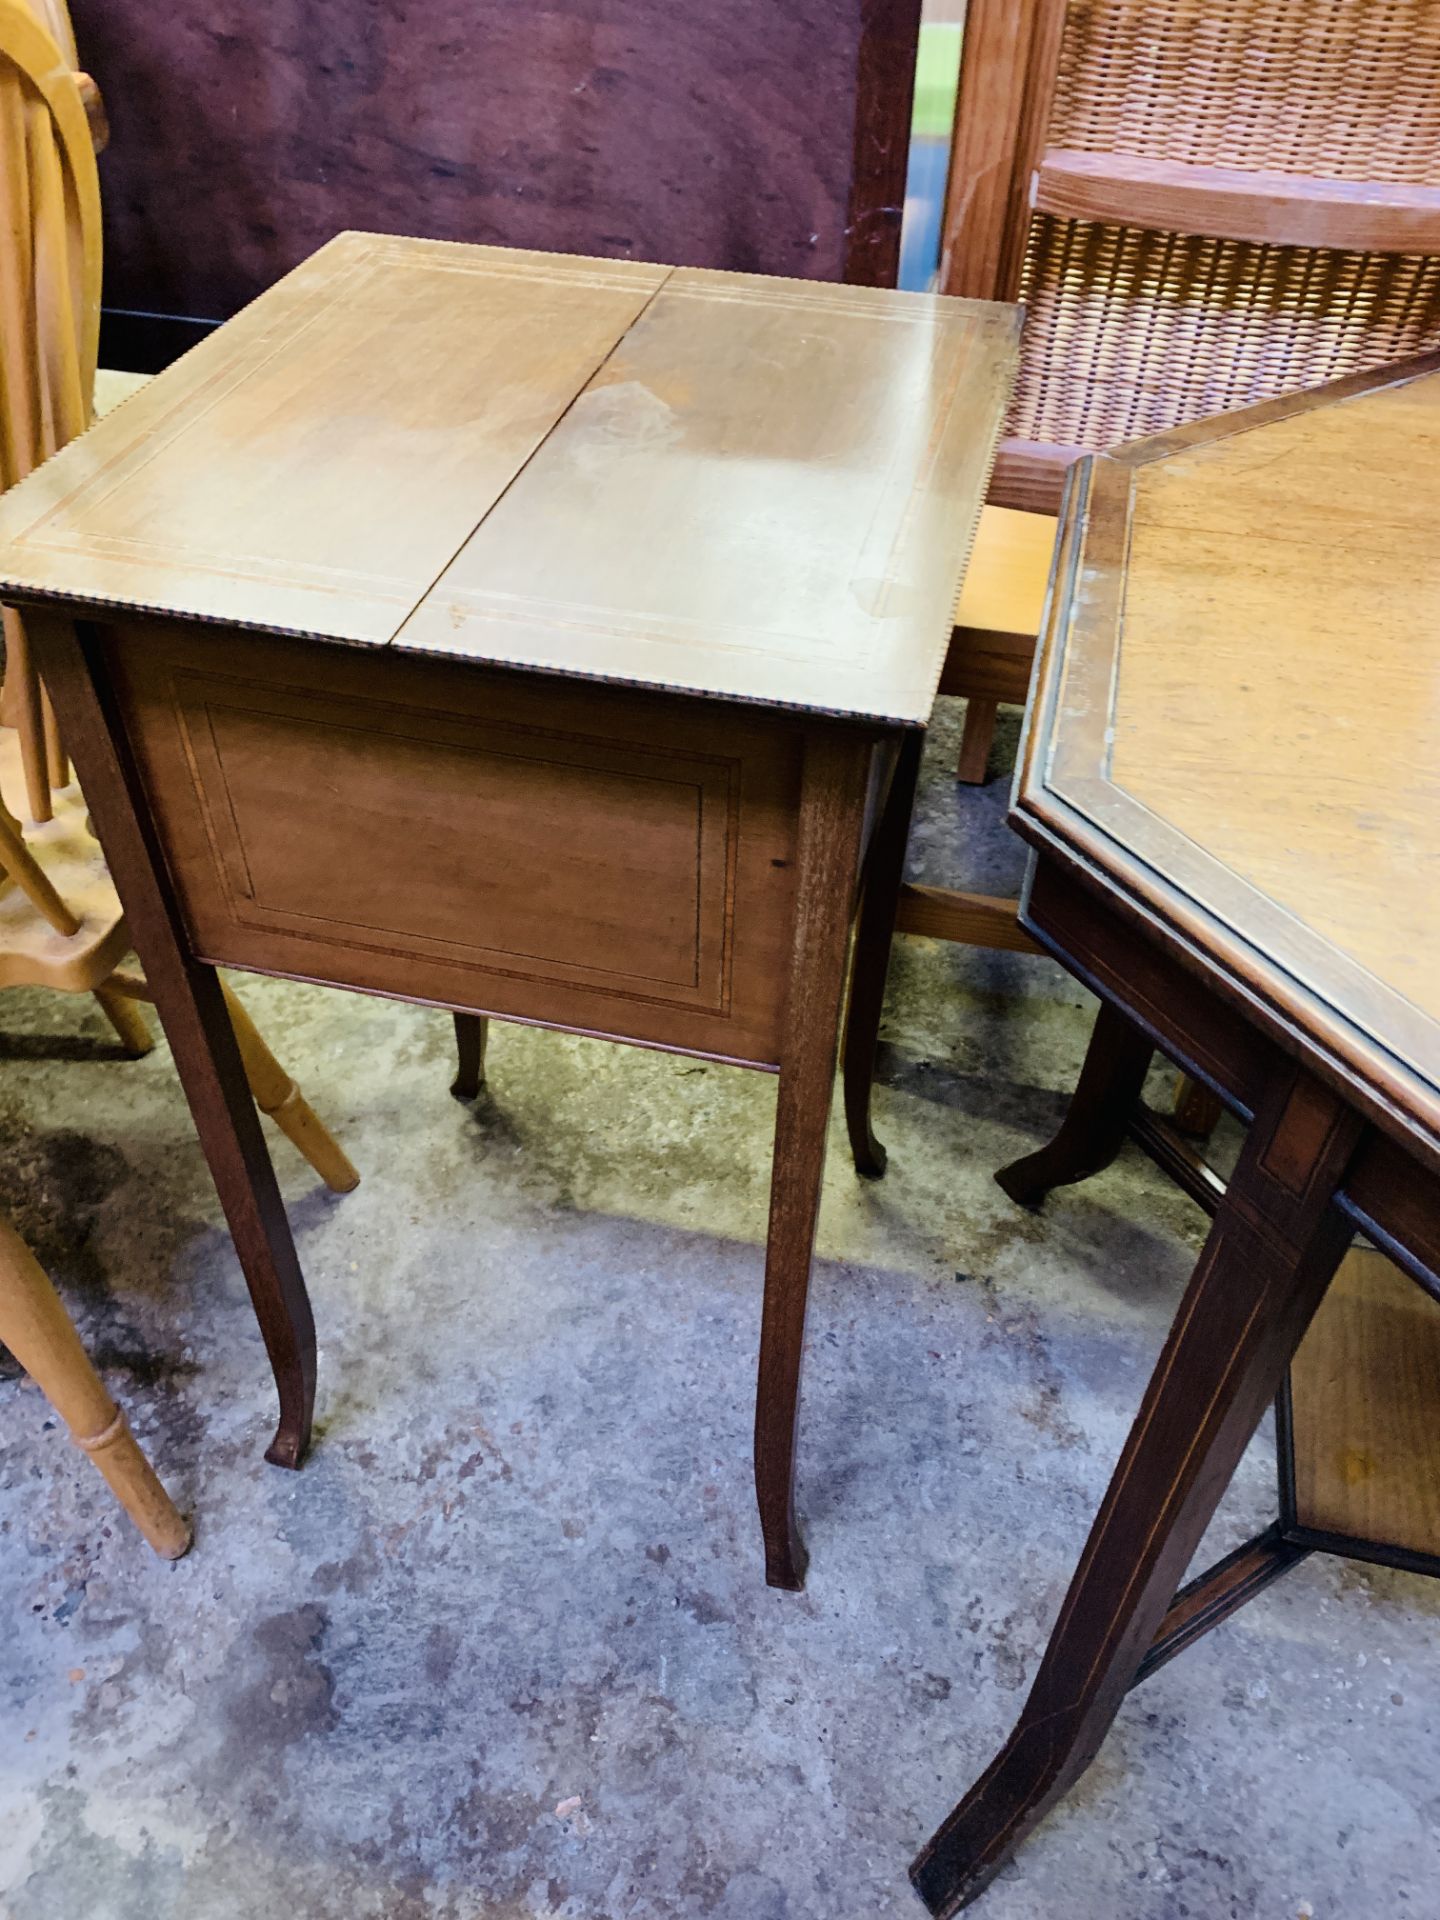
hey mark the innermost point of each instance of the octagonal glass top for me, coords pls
(1238, 718)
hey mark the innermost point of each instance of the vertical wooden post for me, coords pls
(1002, 112)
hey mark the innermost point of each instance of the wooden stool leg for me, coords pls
(1197, 1109)
(831, 822)
(1272, 1249)
(129, 1022)
(38, 1331)
(1098, 1117)
(192, 1010)
(56, 764)
(472, 1032)
(977, 737)
(874, 937)
(277, 1095)
(25, 711)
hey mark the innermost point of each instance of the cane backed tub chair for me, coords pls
(1201, 205)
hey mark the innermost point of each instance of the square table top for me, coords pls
(753, 489)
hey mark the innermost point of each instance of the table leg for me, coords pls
(874, 937)
(191, 1006)
(472, 1031)
(1098, 1117)
(1275, 1242)
(832, 807)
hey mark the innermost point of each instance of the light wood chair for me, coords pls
(61, 923)
(1200, 207)
(49, 307)
(38, 1331)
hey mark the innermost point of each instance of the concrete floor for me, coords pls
(503, 1648)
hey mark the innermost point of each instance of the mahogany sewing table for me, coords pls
(531, 636)
(1230, 783)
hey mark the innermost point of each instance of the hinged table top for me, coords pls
(757, 489)
(1237, 720)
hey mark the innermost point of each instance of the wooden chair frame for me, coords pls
(48, 187)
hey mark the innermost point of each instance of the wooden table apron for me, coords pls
(376, 822)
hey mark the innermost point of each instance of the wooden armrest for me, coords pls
(1233, 203)
(1030, 475)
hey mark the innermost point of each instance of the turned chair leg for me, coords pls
(277, 1095)
(1275, 1242)
(131, 1026)
(977, 737)
(1098, 1117)
(271, 1087)
(25, 711)
(38, 1331)
(472, 1034)
(874, 939)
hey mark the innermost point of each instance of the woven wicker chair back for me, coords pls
(1133, 328)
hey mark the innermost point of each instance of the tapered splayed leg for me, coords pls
(1272, 1249)
(832, 808)
(873, 939)
(1098, 1117)
(472, 1032)
(191, 1006)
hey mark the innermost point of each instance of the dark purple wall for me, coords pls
(767, 135)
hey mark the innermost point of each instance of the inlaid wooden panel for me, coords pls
(768, 491)
(315, 465)
(766, 135)
(1365, 1400)
(595, 860)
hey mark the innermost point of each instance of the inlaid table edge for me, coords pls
(80, 609)
(1358, 1072)
(1264, 413)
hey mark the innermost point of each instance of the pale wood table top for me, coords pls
(1238, 717)
(761, 490)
